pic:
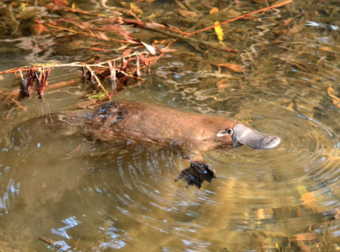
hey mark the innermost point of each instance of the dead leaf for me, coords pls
(186, 14)
(167, 50)
(297, 29)
(233, 67)
(127, 52)
(307, 198)
(335, 99)
(98, 49)
(37, 29)
(214, 10)
(147, 60)
(337, 216)
(326, 48)
(222, 84)
(306, 237)
(150, 48)
(61, 2)
(135, 9)
(290, 107)
(118, 30)
(102, 36)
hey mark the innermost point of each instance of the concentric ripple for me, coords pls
(128, 193)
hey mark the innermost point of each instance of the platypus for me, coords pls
(157, 125)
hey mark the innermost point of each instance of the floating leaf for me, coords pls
(100, 96)
(233, 67)
(37, 29)
(102, 36)
(136, 9)
(306, 237)
(98, 49)
(61, 2)
(167, 50)
(219, 31)
(187, 14)
(127, 52)
(181, 6)
(150, 48)
(301, 189)
(214, 10)
(222, 84)
(307, 198)
(23, 6)
(335, 99)
(117, 29)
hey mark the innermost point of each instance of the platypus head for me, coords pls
(243, 135)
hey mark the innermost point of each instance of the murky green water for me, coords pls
(96, 197)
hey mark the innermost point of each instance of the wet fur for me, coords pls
(160, 126)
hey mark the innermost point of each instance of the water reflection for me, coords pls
(96, 197)
(128, 195)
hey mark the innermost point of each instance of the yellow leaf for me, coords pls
(219, 31)
(213, 10)
(73, 6)
(23, 6)
(152, 16)
(290, 107)
(301, 189)
(180, 5)
(307, 198)
(135, 9)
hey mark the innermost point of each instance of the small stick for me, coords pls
(112, 68)
(54, 244)
(74, 64)
(19, 106)
(97, 79)
(86, 34)
(242, 16)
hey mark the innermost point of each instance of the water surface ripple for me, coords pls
(97, 197)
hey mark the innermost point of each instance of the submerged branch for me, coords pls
(73, 64)
(242, 16)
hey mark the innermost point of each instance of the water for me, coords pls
(98, 197)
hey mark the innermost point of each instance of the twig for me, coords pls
(192, 40)
(96, 77)
(335, 99)
(19, 106)
(242, 16)
(54, 244)
(85, 33)
(74, 64)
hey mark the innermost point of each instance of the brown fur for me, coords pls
(162, 126)
(159, 125)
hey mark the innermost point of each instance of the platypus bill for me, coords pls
(161, 126)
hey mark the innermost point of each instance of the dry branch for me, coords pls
(242, 16)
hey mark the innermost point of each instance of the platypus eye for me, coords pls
(225, 133)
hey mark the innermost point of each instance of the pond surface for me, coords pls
(95, 197)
